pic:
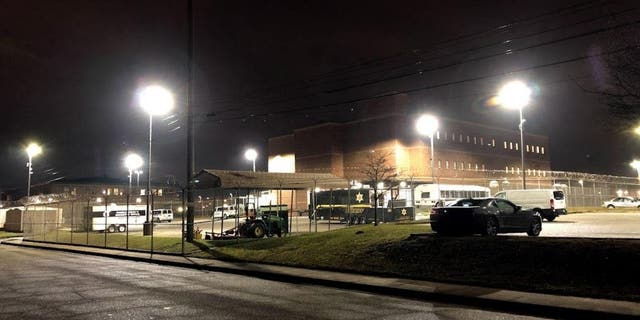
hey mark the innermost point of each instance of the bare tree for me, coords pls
(376, 170)
(618, 73)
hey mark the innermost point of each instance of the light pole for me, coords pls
(132, 162)
(138, 173)
(427, 125)
(155, 100)
(32, 151)
(636, 165)
(251, 155)
(516, 95)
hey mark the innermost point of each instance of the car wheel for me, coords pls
(535, 228)
(550, 218)
(490, 227)
(169, 221)
(610, 206)
(122, 228)
(111, 228)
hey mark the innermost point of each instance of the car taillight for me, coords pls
(551, 203)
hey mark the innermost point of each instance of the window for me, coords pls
(505, 144)
(506, 169)
(513, 170)
(481, 141)
(537, 149)
(475, 140)
(468, 139)
(511, 145)
(527, 148)
(469, 165)
(438, 135)
(439, 164)
(116, 191)
(493, 143)
(445, 135)
(160, 192)
(462, 166)
(425, 195)
(516, 146)
(446, 164)
(483, 167)
(505, 207)
(143, 192)
(542, 150)
(460, 137)
(476, 167)
(455, 165)
(518, 170)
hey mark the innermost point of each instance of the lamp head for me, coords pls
(33, 150)
(132, 161)
(155, 100)
(251, 154)
(427, 125)
(514, 95)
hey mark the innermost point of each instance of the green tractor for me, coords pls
(272, 222)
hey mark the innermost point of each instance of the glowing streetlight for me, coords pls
(636, 165)
(155, 100)
(132, 162)
(516, 95)
(251, 155)
(427, 125)
(32, 151)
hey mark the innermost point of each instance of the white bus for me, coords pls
(426, 195)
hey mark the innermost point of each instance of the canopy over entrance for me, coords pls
(225, 179)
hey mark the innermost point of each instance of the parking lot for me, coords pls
(594, 225)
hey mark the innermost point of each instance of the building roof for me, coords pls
(225, 179)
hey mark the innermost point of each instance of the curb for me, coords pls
(427, 294)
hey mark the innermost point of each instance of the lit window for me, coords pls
(476, 167)
(542, 150)
(505, 144)
(475, 140)
(462, 166)
(493, 143)
(455, 165)
(439, 163)
(160, 192)
(506, 169)
(513, 170)
(516, 146)
(469, 165)
(143, 192)
(438, 135)
(446, 164)
(483, 167)
(116, 191)
(460, 137)
(527, 148)
(468, 139)
(518, 170)
(481, 141)
(511, 145)
(537, 149)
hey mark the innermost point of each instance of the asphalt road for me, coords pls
(594, 225)
(40, 284)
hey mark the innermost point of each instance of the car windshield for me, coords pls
(468, 202)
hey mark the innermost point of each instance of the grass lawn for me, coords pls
(5, 234)
(117, 240)
(606, 268)
(601, 209)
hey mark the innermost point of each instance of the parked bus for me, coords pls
(426, 195)
(117, 220)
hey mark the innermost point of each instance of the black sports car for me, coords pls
(487, 216)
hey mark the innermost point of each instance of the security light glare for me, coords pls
(155, 100)
(514, 95)
(427, 125)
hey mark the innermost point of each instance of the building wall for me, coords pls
(463, 150)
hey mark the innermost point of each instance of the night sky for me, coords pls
(69, 71)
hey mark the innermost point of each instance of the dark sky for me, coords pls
(69, 71)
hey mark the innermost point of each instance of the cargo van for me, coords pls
(548, 203)
(162, 215)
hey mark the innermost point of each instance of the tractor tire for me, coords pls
(257, 231)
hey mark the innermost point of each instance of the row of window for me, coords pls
(530, 172)
(491, 143)
(460, 165)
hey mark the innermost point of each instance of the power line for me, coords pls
(434, 86)
(366, 64)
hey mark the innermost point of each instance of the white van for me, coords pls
(224, 212)
(161, 215)
(548, 203)
(118, 220)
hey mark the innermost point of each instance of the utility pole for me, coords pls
(190, 128)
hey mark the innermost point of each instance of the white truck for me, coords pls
(549, 203)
